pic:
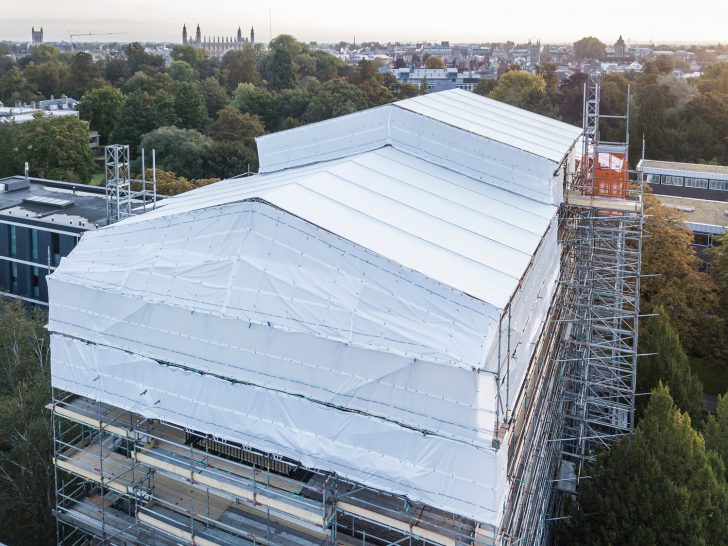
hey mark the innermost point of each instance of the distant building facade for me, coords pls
(40, 222)
(438, 79)
(24, 112)
(620, 48)
(36, 36)
(700, 191)
(218, 46)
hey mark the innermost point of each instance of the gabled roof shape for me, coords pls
(348, 308)
(482, 138)
(470, 236)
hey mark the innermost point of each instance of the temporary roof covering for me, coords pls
(346, 312)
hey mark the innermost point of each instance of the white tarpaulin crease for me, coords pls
(348, 311)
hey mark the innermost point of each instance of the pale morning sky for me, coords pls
(383, 20)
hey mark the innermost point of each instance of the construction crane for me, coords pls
(75, 35)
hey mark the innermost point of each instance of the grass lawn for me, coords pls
(97, 179)
(714, 376)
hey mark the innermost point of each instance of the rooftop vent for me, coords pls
(48, 202)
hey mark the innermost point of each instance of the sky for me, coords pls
(555, 21)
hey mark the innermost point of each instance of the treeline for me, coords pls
(201, 114)
(223, 104)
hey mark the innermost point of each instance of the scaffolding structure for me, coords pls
(125, 479)
(602, 222)
(122, 193)
(579, 395)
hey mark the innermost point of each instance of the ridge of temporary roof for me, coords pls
(474, 237)
(446, 113)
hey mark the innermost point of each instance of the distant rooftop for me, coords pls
(77, 206)
(652, 165)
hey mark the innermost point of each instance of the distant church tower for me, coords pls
(184, 35)
(198, 36)
(252, 35)
(240, 35)
(619, 48)
(36, 36)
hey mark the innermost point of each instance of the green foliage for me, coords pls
(255, 100)
(524, 90)
(667, 363)
(138, 59)
(190, 107)
(15, 86)
(367, 78)
(484, 87)
(659, 486)
(182, 151)
(182, 71)
(84, 74)
(282, 74)
(336, 98)
(48, 78)
(234, 126)
(193, 56)
(227, 159)
(589, 48)
(716, 430)
(433, 61)
(241, 67)
(54, 147)
(215, 96)
(26, 471)
(141, 114)
(101, 107)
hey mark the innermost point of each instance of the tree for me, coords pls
(282, 74)
(214, 94)
(14, 86)
(548, 72)
(524, 90)
(367, 78)
(56, 148)
(101, 107)
(116, 70)
(234, 126)
(672, 277)
(182, 71)
(48, 78)
(433, 61)
(254, 100)
(168, 183)
(227, 159)
(190, 107)
(140, 114)
(193, 56)
(589, 48)
(26, 469)
(241, 67)
(84, 74)
(716, 430)
(182, 151)
(666, 362)
(571, 98)
(484, 87)
(138, 59)
(336, 98)
(659, 486)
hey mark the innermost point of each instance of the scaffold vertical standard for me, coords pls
(601, 226)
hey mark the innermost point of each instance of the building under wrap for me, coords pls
(366, 309)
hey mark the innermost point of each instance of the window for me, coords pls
(673, 180)
(719, 185)
(13, 241)
(35, 282)
(696, 183)
(652, 178)
(56, 248)
(14, 278)
(34, 244)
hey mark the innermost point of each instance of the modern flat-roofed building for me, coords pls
(700, 191)
(41, 221)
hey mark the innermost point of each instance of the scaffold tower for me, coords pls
(602, 221)
(118, 182)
